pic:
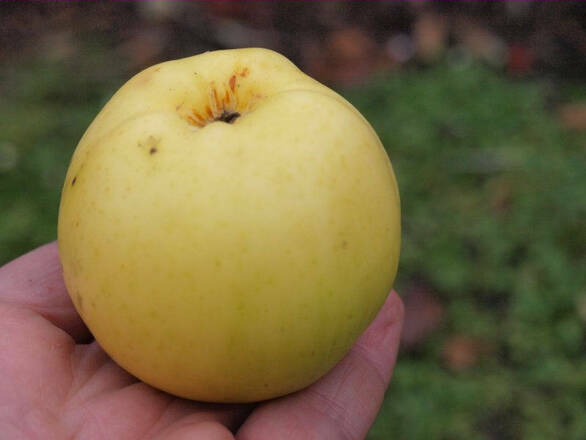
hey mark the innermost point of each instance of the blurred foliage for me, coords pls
(46, 106)
(493, 204)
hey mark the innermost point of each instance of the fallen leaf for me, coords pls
(573, 116)
(430, 34)
(346, 57)
(481, 43)
(461, 352)
(144, 47)
(581, 306)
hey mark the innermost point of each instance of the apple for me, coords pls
(228, 226)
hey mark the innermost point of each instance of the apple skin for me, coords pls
(229, 260)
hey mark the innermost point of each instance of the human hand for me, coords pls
(57, 383)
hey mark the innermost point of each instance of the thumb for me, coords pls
(206, 430)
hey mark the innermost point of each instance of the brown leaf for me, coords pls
(430, 34)
(423, 314)
(500, 195)
(480, 42)
(461, 352)
(144, 47)
(347, 56)
(573, 116)
(581, 306)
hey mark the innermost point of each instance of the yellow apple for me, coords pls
(228, 226)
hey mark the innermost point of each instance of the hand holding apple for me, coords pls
(228, 226)
(56, 382)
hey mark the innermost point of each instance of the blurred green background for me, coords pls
(482, 108)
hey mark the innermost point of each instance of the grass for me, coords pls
(493, 206)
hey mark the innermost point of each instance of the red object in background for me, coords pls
(520, 60)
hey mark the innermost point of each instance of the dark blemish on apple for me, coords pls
(228, 117)
(73, 181)
(232, 82)
(177, 107)
(153, 143)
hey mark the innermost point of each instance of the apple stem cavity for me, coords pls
(228, 117)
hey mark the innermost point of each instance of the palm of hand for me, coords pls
(56, 383)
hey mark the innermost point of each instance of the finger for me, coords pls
(191, 420)
(135, 405)
(200, 430)
(35, 282)
(344, 403)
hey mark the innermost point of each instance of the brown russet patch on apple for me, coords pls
(244, 73)
(209, 112)
(178, 106)
(232, 82)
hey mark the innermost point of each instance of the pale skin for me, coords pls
(57, 383)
